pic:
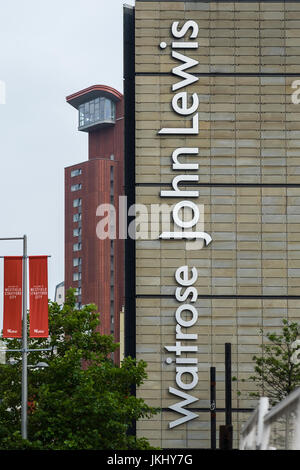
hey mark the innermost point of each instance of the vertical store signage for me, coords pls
(12, 312)
(38, 296)
(185, 105)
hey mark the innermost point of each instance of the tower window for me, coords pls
(75, 187)
(76, 217)
(76, 232)
(76, 276)
(76, 172)
(77, 202)
(99, 111)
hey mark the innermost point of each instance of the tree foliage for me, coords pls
(276, 373)
(81, 400)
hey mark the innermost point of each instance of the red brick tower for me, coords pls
(94, 266)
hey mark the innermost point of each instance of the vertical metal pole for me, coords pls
(226, 431)
(213, 408)
(24, 345)
(228, 398)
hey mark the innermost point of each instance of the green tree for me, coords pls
(81, 400)
(276, 372)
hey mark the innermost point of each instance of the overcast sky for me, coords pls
(49, 49)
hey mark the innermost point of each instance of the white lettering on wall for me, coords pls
(186, 106)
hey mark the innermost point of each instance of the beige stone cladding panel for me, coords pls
(249, 130)
(255, 248)
(249, 133)
(257, 37)
(238, 321)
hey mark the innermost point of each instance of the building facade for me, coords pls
(217, 132)
(59, 296)
(94, 261)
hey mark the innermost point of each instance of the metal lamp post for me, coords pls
(24, 345)
(24, 349)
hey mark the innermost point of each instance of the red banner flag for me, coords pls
(12, 312)
(38, 297)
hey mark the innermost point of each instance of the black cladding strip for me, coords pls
(129, 170)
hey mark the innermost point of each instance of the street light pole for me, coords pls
(24, 350)
(24, 345)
